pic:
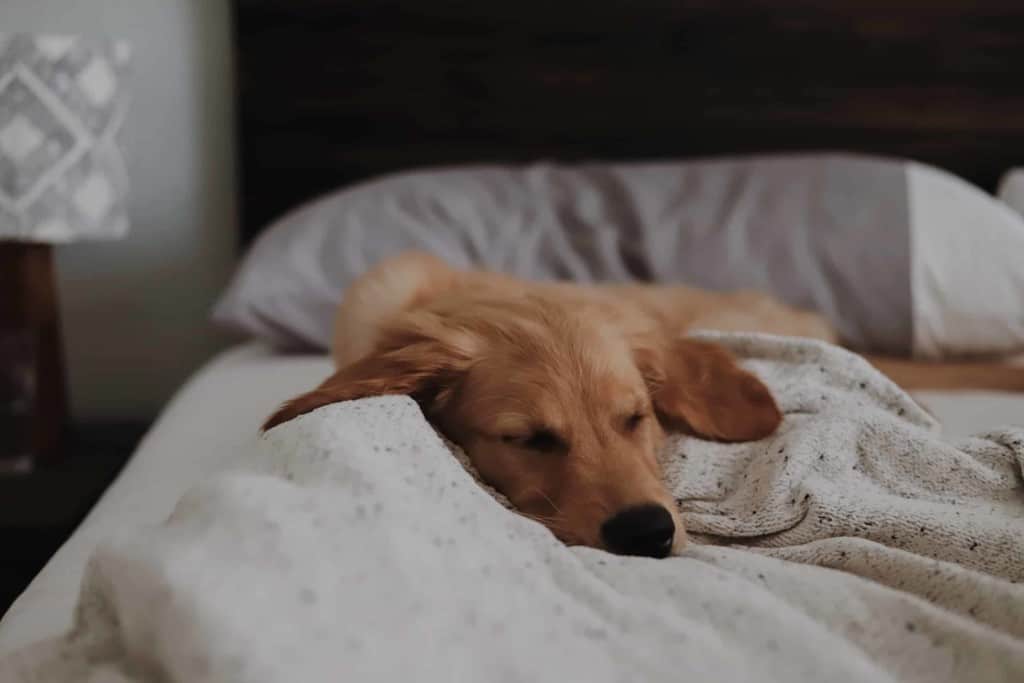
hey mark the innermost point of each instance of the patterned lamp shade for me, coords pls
(62, 105)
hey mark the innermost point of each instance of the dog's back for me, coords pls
(414, 279)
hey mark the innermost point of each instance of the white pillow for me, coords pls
(967, 266)
(900, 257)
(1011, 189)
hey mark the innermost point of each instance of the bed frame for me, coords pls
(336, 91)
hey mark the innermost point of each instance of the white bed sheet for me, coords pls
(215, 416)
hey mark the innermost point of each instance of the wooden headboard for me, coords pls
(335, 91)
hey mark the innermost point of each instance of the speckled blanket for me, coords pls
(856, 544)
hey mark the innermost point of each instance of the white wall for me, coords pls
(135, 312)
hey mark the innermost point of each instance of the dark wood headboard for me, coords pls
(335, 91)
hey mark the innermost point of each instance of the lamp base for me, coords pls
(33, 397)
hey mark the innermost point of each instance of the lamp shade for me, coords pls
(62, 106)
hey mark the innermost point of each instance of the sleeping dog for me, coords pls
(560, 393)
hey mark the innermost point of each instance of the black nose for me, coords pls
(643, 530)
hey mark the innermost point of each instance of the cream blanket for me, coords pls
(856, 544)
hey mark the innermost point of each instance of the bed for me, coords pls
(217, 412)
(615, 81)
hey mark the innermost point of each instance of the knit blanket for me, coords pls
(855, 544)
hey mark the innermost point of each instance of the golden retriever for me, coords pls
(559, 393)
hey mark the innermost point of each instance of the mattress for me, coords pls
(215, 417)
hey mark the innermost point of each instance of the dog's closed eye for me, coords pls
(541, 441)
(634, 421)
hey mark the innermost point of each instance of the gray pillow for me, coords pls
(827, 232)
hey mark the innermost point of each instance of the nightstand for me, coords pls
(38, 511)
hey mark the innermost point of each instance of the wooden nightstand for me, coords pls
(38, 511)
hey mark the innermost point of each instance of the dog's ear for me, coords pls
(418, 355)
(700, 385)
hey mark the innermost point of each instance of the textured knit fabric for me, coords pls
(856, 544)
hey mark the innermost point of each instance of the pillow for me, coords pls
(1011, 189)
(966, 273)
(899, 256)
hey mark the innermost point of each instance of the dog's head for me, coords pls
(559, 410)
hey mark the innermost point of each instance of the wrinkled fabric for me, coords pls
(855, 544)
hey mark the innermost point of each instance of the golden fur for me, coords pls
(557, 392)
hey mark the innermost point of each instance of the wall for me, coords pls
(135, 312)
